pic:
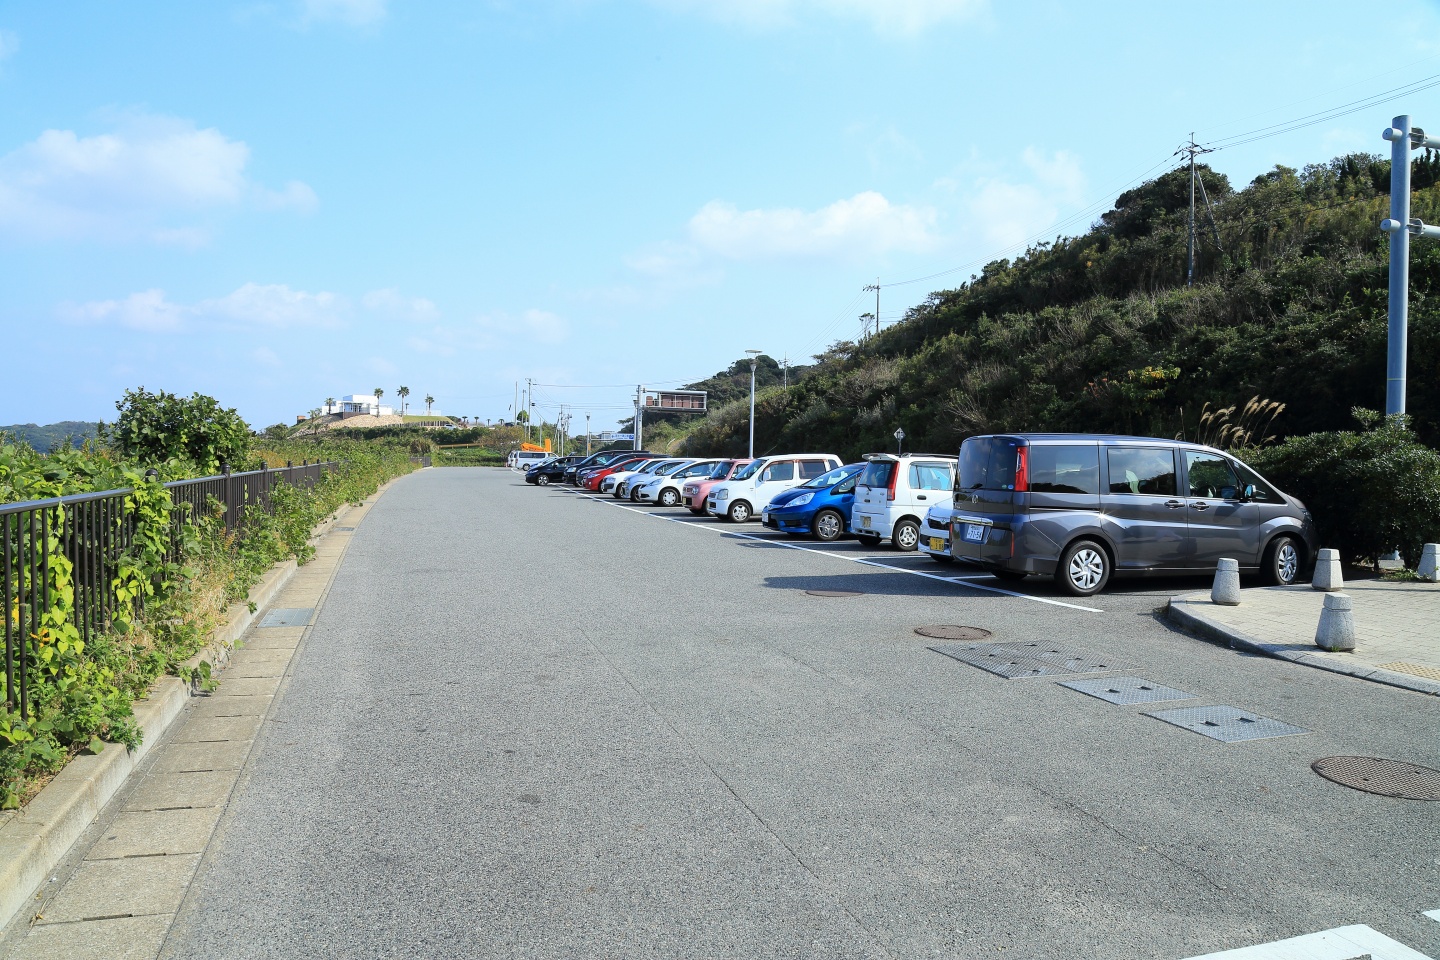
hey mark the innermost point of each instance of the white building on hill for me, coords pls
(360, 403)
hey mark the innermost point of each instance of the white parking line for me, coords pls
(963, 581)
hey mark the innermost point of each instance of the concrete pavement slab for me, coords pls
(133, 887)
(189, 757)
(247, 687)
(214, 729)
(155, 833)
(164, 791)
(126, 938)
(204, 708)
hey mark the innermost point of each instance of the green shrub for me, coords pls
(1369, 490)
(156, 427)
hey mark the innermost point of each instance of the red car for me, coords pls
(592, 482)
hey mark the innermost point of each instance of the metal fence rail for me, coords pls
(93, 531)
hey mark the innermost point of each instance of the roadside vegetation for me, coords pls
(175, 581)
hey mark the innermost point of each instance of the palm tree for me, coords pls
(403, 393)
(378, 394)
(428, 400)
(329, 404)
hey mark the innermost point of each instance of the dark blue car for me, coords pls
(820, 507)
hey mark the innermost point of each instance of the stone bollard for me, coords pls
(1327, 571)
(1226, 590)
(1429, 568)
(1336, 632)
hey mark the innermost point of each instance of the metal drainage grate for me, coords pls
(1388, 778)
(946, 631)
(1126, 690)
(833, 593)
(1227, 724)
(292, 617)
(345, 529)
(1016, 660)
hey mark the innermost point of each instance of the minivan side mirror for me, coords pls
(1248, 493)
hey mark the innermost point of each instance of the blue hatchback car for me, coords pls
(820, 507)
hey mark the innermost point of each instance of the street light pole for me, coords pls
(754, 356)
(899, 441)
(1400, 225)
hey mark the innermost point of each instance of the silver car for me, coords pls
(1082, 508)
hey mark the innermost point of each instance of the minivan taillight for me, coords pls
(894, 478)
(1022, 469)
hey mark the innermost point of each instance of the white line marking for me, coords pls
(1341, 943)
(958, 581)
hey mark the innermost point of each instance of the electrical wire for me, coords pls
(1323, 116)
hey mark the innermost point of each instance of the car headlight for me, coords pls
(722, 495)
(801, 500)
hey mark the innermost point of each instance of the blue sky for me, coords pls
(277, 202)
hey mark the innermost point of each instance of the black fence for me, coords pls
(93, 531)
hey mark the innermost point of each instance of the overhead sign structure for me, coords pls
(688, 400)
(610, 436)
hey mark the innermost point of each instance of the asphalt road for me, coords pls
(532, 724)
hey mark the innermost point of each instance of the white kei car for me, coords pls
(630, 487)
(935, 532)
(745, 495)
(894, 493)
(665, 490)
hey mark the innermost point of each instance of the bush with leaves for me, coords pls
(1370, 490)
(153, 428)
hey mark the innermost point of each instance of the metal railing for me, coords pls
(93, 531)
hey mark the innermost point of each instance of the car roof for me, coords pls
(1100, 438)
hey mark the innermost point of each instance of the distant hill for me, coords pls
(46, 438)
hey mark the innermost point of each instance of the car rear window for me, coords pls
(1149, 471)
(1065, 468)
(877, 473)
(987, 463)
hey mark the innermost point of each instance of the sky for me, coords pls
(274, 203)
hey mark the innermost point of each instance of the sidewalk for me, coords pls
(1397, 627)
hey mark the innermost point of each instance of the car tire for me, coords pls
(668, 497)
(906, 536)
(1084, 569)
(827, 526)
(1014, 576)
(739, 512)
(1282, 563)
(635, 495)
(868, 539)
(941, 557)
(542, 481)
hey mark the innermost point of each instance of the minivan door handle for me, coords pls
(1174, 504)
(1201, 506)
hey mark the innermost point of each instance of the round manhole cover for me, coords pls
(833, 593)
(949, 631)
(1388, 778)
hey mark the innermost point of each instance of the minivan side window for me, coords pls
(1263, 492)
(931, 476)
(1065, 469)
(810, 469)
(1143, 470)
(780, 471)
(1209, 475)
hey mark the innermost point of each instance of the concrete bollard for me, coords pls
(1429, 568)
(1336, 631)
(1327, 571)
(1226, 590)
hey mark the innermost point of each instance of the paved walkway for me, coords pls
(1397, 628)
(124, 883)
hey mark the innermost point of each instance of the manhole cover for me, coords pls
(291, 617)
(949, 631)
(1124, 691)
(1388, 778)
(1227, 724)
(833, 593)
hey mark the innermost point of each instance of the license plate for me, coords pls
(765, 517)
(865, 522)
(974, 533)
(937, 544)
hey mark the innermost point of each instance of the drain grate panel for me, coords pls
(1387, 778)
(1014, 661)
(1227, 724)
(345, 529)
(947, 631)
(288, 617)
(834, 593)
(1124, 691)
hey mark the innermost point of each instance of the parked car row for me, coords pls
(1078, 508)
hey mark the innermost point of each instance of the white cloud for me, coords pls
(1007, 211)
(137, 181)
(355, 13)
(274, 306)
(9, 43)
(864, 225)
(894, 17)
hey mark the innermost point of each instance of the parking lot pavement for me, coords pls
(531, 724)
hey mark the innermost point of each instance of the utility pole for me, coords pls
(1192, 150)
(876, 287)
(529, 404)
(587, 434)
(1400, 225)
(785, 373)
(639, 412)
(754, 356)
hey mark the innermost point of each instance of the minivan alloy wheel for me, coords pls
(1084, 569)
(1282, 562)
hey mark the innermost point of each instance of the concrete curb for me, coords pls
(1182, 612)
(39, 836)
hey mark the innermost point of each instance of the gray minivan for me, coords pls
(1082, 507)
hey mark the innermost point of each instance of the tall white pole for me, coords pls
(752, 408)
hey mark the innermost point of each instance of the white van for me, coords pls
(895, 492)
(525, 459)
(747, 494)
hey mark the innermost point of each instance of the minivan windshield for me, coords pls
(834, 476)
(987, 463)
(749, 470)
